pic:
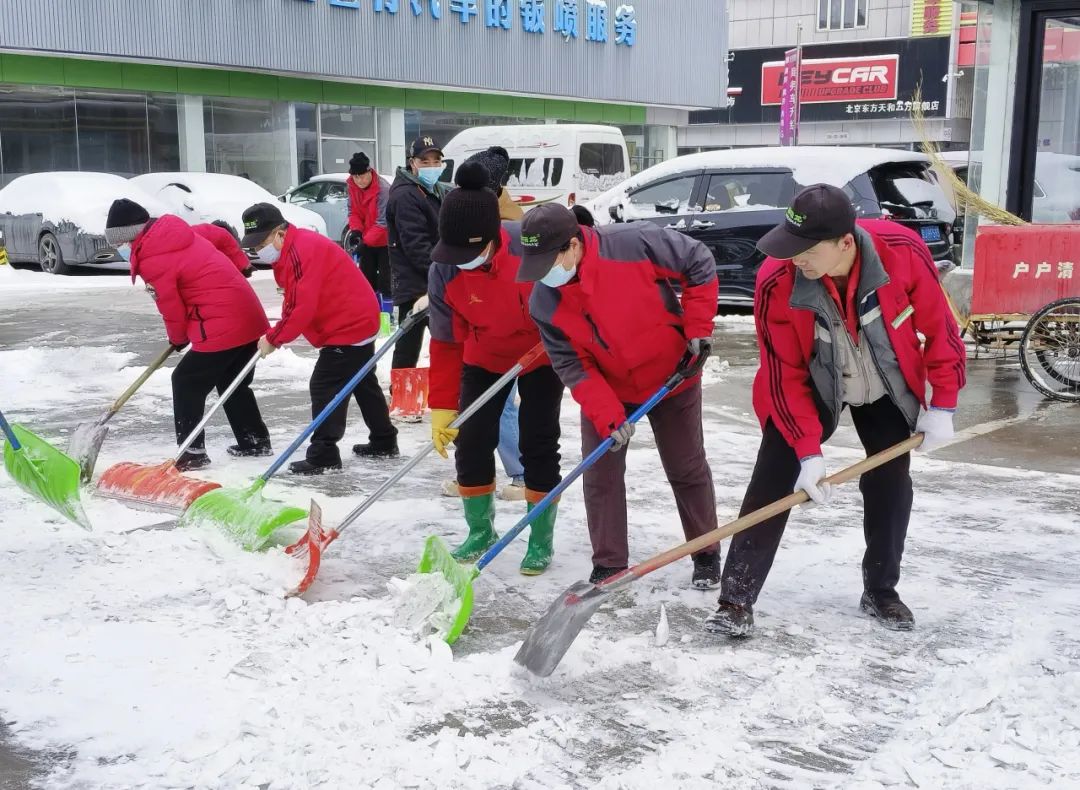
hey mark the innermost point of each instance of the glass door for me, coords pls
(1055, 183)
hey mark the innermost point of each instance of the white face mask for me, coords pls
(124, 251)
(475, 263)
(429, 176)
(269, 254)
(558, 276)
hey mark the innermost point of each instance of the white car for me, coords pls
(57, 219)
(206, 197)
(328, 196)
(1056, 193)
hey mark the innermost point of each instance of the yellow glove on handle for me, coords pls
(441, 432)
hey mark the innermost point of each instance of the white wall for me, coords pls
(772, 23)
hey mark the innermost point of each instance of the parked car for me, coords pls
(206, 197)
(567, 162)
(57, 219)
(328, 196)
(730, 199)
(1056, 191)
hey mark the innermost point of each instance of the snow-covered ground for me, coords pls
(169, 659)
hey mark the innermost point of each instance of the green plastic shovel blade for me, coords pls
(46, 473)
(438, 559)
(243, 514)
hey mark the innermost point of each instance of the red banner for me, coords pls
(1020, 269)
(789, 99)
(828, 80)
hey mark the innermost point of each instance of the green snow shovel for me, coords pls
(86, 441)
(242, 512)
(43, 471)
(551, 636)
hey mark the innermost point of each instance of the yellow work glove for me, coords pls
(441, 432)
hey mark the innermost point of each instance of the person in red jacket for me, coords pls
(227, 242)
(367, 223)
(204, 301)
(480, 326)
(615, 331)
(838, 306)
(328, 301)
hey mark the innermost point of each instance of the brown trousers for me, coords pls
(676, 425)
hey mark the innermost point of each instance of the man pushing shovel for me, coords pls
(839, 305)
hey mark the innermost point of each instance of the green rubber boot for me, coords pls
(541, 533)
(480, 515)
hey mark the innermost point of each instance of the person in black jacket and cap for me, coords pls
(412, 221)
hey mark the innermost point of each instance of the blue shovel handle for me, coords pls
(410, 321)
(577, 472)
(10, 434)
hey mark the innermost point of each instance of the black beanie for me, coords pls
(359, 164)
(469, 217)
(496, 162)
(125, 222)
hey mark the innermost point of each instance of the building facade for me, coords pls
(279, 90)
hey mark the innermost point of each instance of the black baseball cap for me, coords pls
(259, 222)
(545, 231)
(818, 213)
(423, 145)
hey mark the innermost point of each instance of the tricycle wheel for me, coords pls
(1050, 350)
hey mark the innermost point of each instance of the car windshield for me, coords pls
(906, 190)
(749, 191)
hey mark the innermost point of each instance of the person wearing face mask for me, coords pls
(412, 223)
(480, 327)
(839, 305)
(367, 223)
(330, 303)
(205, 302)
(615, 330)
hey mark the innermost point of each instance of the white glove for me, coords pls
(421, 304)
(620, 437)
(936, 425)
(810, 476)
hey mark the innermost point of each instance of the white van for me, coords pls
(564, 163)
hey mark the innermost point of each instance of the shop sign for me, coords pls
(595, 24)
(789, 99)
(832, 80)
(1021, 269)
(931, 17)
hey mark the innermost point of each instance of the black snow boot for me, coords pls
(305, 467)
(889, 609)
(258, 450)
(731, 619)
(600, 573)
(377, 449)
(706, 571)
(192, 460)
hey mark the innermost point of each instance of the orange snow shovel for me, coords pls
(161, 486)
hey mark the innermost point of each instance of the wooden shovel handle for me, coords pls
(159, 360)
(767, 512)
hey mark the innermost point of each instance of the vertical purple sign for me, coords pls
(789, 98)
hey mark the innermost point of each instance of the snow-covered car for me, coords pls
(206, 197)
(1056, 191)
(57, 219)
(730, 199)
(328, 196)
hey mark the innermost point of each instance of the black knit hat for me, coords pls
(359, 164)
(469, 217)
(497, 163)
(125, 222)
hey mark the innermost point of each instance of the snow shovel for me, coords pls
(317, 538)
(242, 512)
(551, 636)
(161, 486)
(43, 471)
(438, 559)
(86, 441)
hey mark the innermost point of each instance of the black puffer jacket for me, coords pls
(412, 221)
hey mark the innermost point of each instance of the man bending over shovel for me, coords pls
(838, 304)
(615, 331)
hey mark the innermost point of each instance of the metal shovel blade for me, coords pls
(551, 636)
(85, 444)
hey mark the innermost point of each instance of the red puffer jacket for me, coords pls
(199, 292)
(618, 331)
(367, 211)
(327, 299)
(225, 243)
(479, 317)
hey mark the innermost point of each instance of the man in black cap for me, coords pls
(412, 221)
(839, 305)
(616, 330)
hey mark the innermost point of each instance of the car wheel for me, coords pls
(50, 257)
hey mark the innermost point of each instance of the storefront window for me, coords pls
(1056, 188)
(307, 140)
(164, 133)
(37, 131)
(250, 138)
(112, 131)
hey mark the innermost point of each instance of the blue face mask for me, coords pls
(124, 252)
(429, 176)
(475, 263)
(558, 276)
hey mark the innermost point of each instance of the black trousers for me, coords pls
(375, 264)
(200, 372)
(887, 497)
(407, 350)
(335, 366)
(541, 394)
